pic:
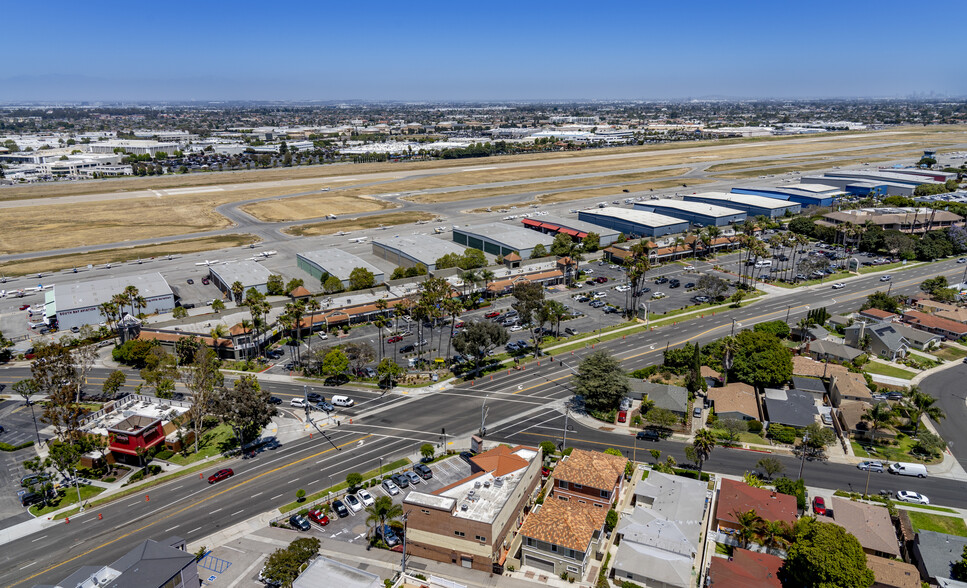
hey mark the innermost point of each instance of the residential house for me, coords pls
(850, 414)
(660, 538)
(470, 522)
(792, 408)
(957, 314)
(935, 554)
(667, 396)
(849, 386)
(949, 329)
(814, 386)
(735, 401)
(737, 497)
(879, 316)
(711, 377)
(890, 573)
(748, 569)
(922, 340)
(870, 524)
(589, 477)
(924, 303)
(821, 350)
(805, 366)
(884, 339)
(152, 564)
(810, 333)
(561, 537)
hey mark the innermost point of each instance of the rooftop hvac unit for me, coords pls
(476, 484)
(464, 506)
(498, 482)
(487, 484)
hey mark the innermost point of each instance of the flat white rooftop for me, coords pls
(641, 217)
(757, 201)
(691, 206)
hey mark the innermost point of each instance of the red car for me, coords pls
(623, 416)
(25, 307)
(493, 314)
(318, 518)
(220, 475)
(819, 506)
(395, 339)
(545, 472)
(601, 280)
(459, 325)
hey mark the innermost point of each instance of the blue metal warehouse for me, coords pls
(634, 223)
(699, 213)
(805, 194)
(753, 205)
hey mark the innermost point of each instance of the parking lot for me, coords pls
(18, 428)
(353, 528)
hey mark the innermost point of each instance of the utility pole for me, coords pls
(567, 413)
(483, 417)
(788, 310)
(733, 327)
(805, 439)
(403, 562)
(77, 486)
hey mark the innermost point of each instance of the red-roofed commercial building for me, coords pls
(736, 498)
(745, 569)
(132, 434)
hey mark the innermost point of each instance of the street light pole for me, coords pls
(567, 413)
(733, 327)
(78, 487)
(788, 310)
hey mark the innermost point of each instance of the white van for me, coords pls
(908, 469)
(764, 263)
(342, 401)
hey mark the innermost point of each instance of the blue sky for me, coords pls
(208, 49)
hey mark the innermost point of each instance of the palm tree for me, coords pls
(217, 332)
(920, 403)
(453, 308)
(729, 348)
(750, 526)
(469, 279)
(879, 415)
(130, 294)
(109, 310)
(704, 443)
(247, 327)
(237, 288)
(865, 341)
(776, 534)
(487, 276)
(313, 306)
(383, 511)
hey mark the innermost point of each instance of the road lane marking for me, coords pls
(193, 530)
(38, 539)
(214, 511)
(274, 497)
(172, 528)
(178, 512)
(254, 495)
(235, 513)
(28, 565)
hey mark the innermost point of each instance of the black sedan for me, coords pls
(299, 522)
(340, 509)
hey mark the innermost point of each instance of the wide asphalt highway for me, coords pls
(521, 406)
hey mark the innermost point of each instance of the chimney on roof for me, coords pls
(773, 493)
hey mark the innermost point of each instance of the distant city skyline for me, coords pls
(501, 51)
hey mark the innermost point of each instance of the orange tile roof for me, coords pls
(567, 523)
(591, 469)
(738, 497)
(300, 292)
(512, 257)
(747, 569)
(499, 285)
(175, 337)
(500, 460)
(878, 314)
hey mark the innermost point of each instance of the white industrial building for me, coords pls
(699, 213)
(752, 205)
(76, 305)
(501, 239)
(636, 223)
(134, 146)
(407, 251)
(248, 273)
(335, 262)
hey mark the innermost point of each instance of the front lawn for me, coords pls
(69, 497)
(950, 353)
(214, 441)
(924, 521)
(874, 367)
(901, 452)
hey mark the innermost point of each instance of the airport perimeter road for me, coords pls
(515, 406)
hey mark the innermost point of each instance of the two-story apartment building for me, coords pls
(471, 522)
(589, 477)
(562, 537)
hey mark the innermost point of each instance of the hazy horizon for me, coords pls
(438, 51)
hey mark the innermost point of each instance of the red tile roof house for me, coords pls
(736, 498)
(745, 569)
(932, 324)
(879, 315)
(590, 477)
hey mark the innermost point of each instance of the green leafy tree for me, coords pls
(361, 278)
(538, 251)
(179, 312)
(160, 372)
(791, 487)
(733, 428)
(388, 371)
(601, 381)
(761, 359)
(55, 376)
(478, 339)
(186, 348)
(703, 444)
(613, 451)
(825, 555)
(275, 286)
(591, 242)
(959, 569)
(929, 444)
(778, 328)
(354, 479)
(879, 415)
(562, 244)
(284, 565)
(113, 383)
(661, 418)
(712, 286)
(246, 407)
(548, 448)
(919, 404)
(770, 466)
(610, 520)
(293, 284)
(335, 362)
(203, 378)
(427, 450)
(332, 285)
(218, 305)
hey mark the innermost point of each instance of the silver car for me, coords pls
(391, 488)
(413, 477)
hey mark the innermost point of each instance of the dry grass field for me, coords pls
(555, 197)
(358, 224)
(53, 264)
(807, 167)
